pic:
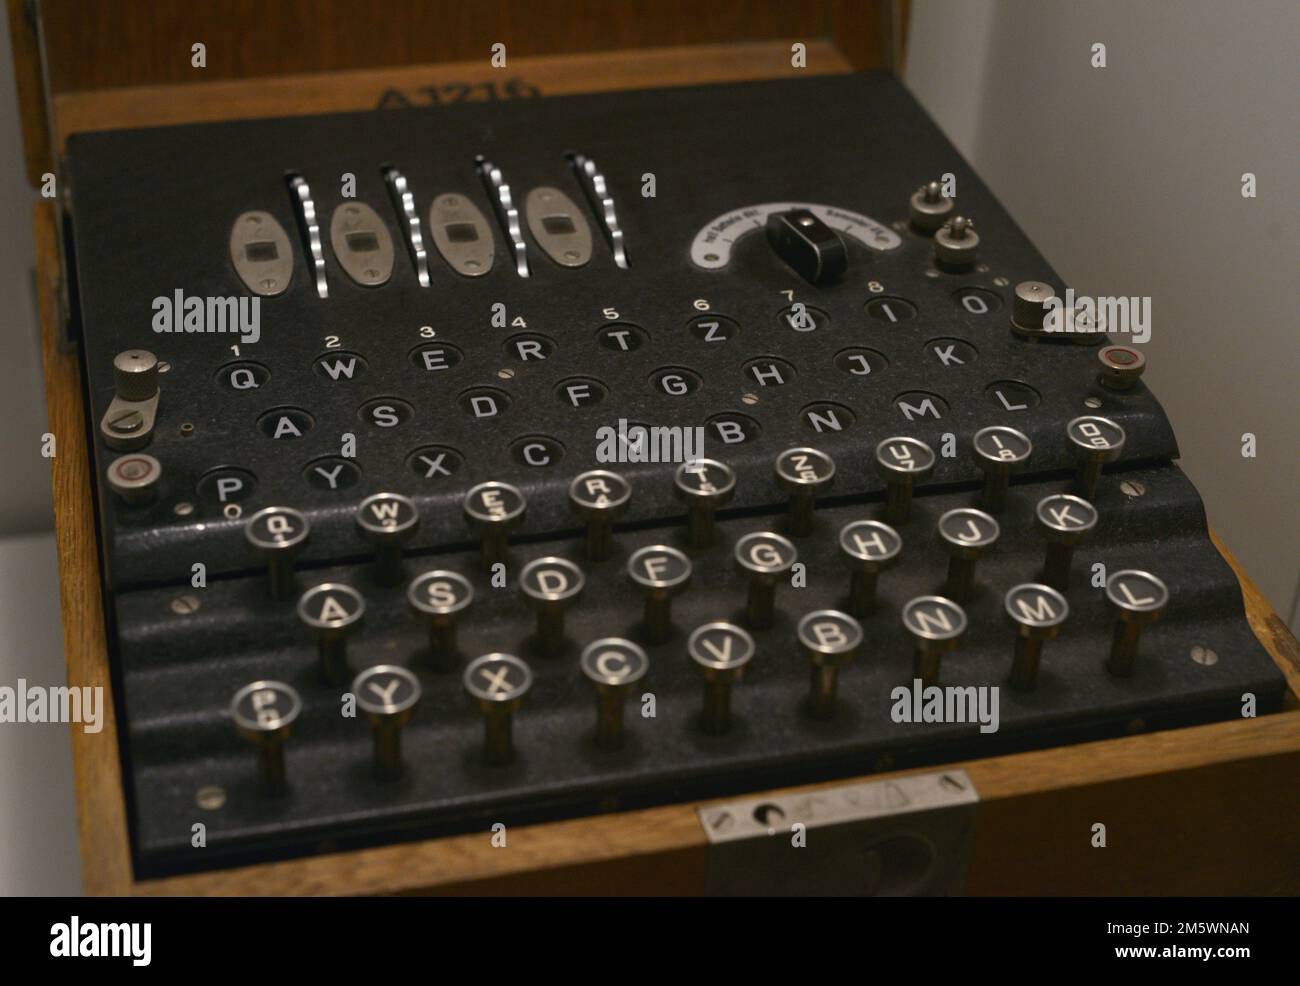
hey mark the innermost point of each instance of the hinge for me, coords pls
(906, 836)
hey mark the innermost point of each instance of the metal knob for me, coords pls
(903, 462)
(936, 625)
(968, 533)
(766, 558)
(497, 684)
(662, 571)
(999, 451)
(388, 521)
(803, 473)
(704, 485)
(600, 497)
(1065, 520)
(277, 534)
(1139, 599)
(551, 584)
(612, 665)
(869, 547)
(332, 611)
(493, 510)
(830, 641)
(388, 695)
(720, 651)
(439, 596)
(263, 712)
(1095, 441)
(1037, 611)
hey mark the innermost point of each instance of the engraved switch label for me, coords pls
(461, 234)
(558, 227)
(362, 244)
(260, 251)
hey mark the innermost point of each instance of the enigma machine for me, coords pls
(515, 462)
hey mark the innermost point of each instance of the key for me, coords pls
(600, 497)
(332, 611)
(1095, 441)
(720, 651)
(387, 521)
(999, 450)
(869, 547)
(830, 641)
(936, 625)
(903, 462)
(263, 713)
(1038, 612)
(663, 572)
(493, 510)
(388, 695)
(439, 596)
(1065, 521)
(1139, 599)
(497, 683)
(552, 584)
(278, 534)
(765, 557)
(704, 485)
(613, 666)
(968, 533)
(803, 473)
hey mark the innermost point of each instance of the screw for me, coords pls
(1204, 656)
(1001, 282)
(1131, 487)
(1092, 402)
(506, 374)
(948, 781)
(210, 797)
(126, 421)
(185, 605)
(722, 821)
(749, 399)
(187, 430)
(183, 509)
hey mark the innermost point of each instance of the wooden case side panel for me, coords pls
(101, 809)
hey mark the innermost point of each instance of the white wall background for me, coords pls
(1128, 178)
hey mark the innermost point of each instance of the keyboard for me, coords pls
(496, 463)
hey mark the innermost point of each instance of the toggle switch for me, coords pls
(1065, 520)
(600, 497)
(766, 558)
(704, 485)
(1139, 599)
(497, 684)
(1037, 611)
(388, 521)
(493, 510)
(720, 651)
(128, 423)
(551, 584)
(999, 451)
(662, 571)
(869, 547)
(803, 473)
(332, 611)
(929, 208)
(936, 625)
(830, 641)
(439, 596)
(1095, 441)
(811, 248)
(968, 533)
(388, 695)
(263, 713)
(956, 243)
(612, 665)
(277, 534)
(903, 462)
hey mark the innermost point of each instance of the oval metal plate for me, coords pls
(461, 234)
(260, 251)
(558, 227)
(362, 244)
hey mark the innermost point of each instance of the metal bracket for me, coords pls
(909, 836)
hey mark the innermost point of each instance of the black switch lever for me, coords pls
(807, 244)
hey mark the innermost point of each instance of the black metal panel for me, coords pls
(152, 212)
